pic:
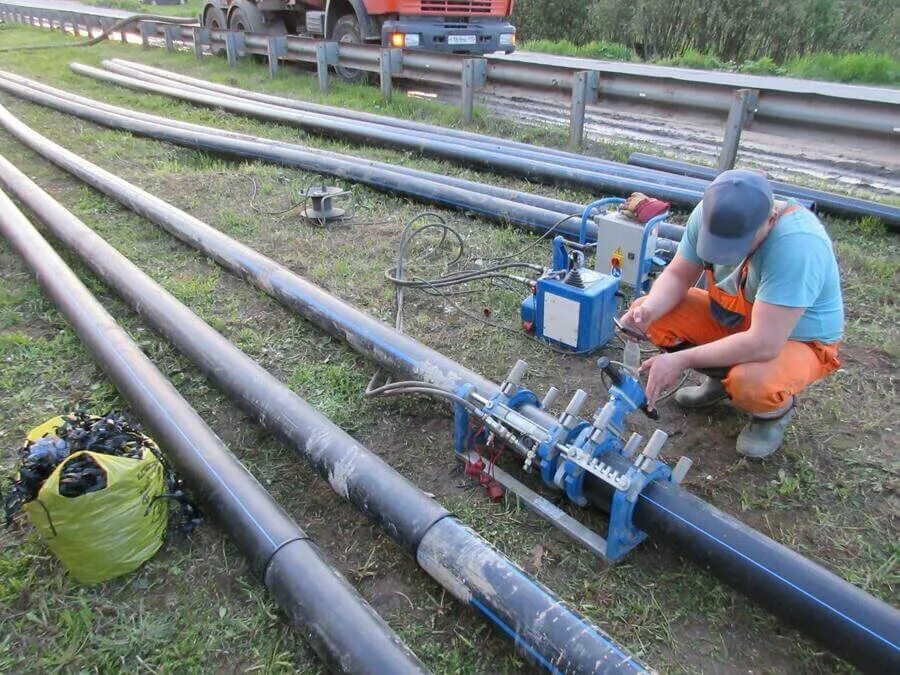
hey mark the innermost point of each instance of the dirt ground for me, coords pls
(830, 493)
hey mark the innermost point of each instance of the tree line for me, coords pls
(731, 30)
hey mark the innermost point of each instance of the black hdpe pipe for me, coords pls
(442, 134)
(379, 123)
(544, 629)
(374, 174)
(342, 628)
(846, 620)
(829, 202)
(667, 230)
(535, 169)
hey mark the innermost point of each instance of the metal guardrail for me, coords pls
(585, 86)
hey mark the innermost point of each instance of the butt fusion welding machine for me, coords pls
(573, 307)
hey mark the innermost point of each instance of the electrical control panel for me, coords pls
(619, 246)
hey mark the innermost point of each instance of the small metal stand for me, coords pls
(321, 206)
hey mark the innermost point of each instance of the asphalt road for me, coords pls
(737, 80)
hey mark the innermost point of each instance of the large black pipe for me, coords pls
(317, 119)
(851, 623)
(421, 185)
(665, 187)
(644, 170)
(544, 628)
(343, 629)
(840, 205)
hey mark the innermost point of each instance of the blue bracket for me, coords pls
(461, 422)
(646, 262)
(550, 455)
(622, 535)
(589, 210)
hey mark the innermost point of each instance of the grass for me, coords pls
(195, 606)
(861, 68)
(190, 8)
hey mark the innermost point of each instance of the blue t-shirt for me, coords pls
(793, 267)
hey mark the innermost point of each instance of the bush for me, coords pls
(762, 66)
(593, 50)
(864, 67)
(694, 59)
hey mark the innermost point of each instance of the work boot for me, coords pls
(706, 394)
(764, 434)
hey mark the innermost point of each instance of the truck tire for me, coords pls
(214, 19)
(245, 16)
(346, 29)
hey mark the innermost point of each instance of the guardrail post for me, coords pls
(202, 36)
(172, 33)
(474, 75)
(326, 55)
(275, 49)
(234, 46)
(585, 89)
(390, 63)
(737, 115)
(146, 30)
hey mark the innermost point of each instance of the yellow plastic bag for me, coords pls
(103, 534)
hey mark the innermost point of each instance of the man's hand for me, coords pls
(663, 371)
(637, 320)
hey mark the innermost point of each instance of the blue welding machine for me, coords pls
(572, 306)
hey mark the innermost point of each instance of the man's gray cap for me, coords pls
(735, 205)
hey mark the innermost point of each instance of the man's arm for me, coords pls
(770, 328)
(667, 291)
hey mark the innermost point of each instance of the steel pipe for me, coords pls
(342, 628)
(829, 202)
(851, 623)
(548, 632)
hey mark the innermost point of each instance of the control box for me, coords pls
(576, 314)
(619, 246)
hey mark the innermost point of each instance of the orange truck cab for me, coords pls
(456, 26)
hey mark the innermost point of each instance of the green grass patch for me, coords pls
(597, 49)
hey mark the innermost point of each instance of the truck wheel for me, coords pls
(346, 29)
(246, 17)
(214, 19)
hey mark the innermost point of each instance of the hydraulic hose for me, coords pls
(841, 205)
(342, 628)
(543, 628)
(849, 622)
(368, 133)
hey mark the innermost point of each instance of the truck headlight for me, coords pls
(404, 40)
(507, 39)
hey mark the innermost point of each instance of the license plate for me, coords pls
(461, 39)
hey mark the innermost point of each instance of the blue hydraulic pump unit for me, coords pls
(573, 307)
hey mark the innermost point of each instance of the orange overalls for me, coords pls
(705, 316)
